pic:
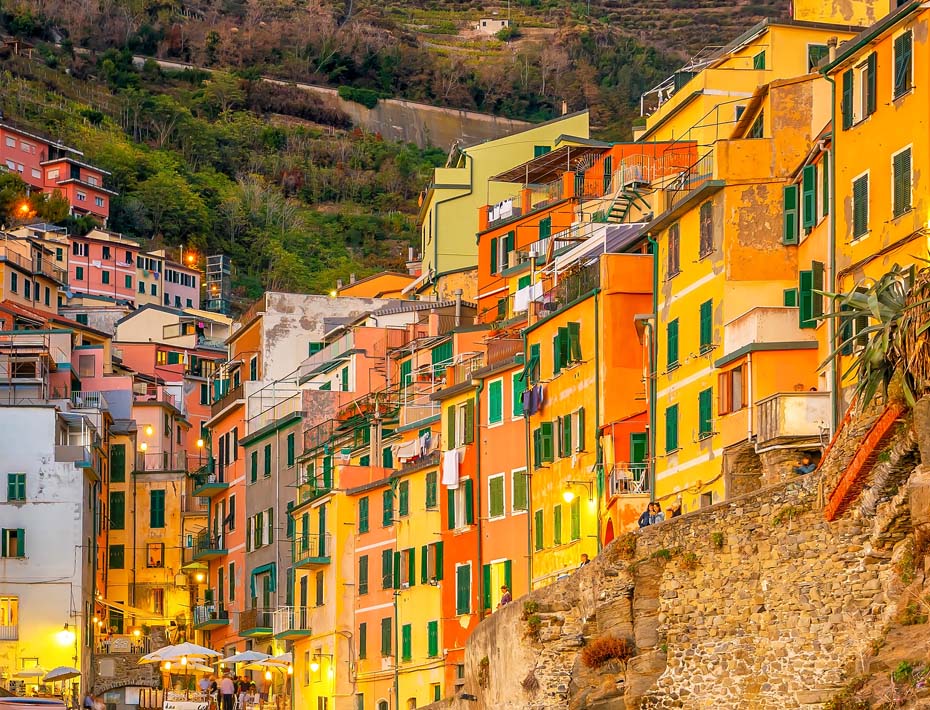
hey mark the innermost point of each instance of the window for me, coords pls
(903, 64)
(901, 182)
(460, 422)
(290, 449)
(673, 265)
(432, 640)
(254, 468)
(539, 150)
(127, 281)
(671, 428)
(232, 581)
(406, 373)
(501, 247)
(816, 53)
(825, 180)
(98, 201)
(518, 497)
(153, 290)
(48, 296)
(11, 143)
(463, 588)
(790, 220)
(27, 288)
(15, 487)
(14, 281)
(406, 575)
(671, 345)
(105, 251)
(431, 558)
(387, 569)
(157, 509)
(575, 515)
(141, 287)
(757, 130)
(460, 505)
(758, 60)
(363, 515)
(406, 651)
(363, 641)
(117, 510)
(564, 427)
(117, 555)
(81, 197)
(9, 613)
(320, 578)
(810, 306)
(809, 197)
(496, 496)
(403, 502)
(315, 347)
(707, 326)
(705, 413)
(730, 388)
(543, 444)
(432, 490)
(253, 368)
(538, 530)
(386, 640)
(155, 554)
(267, 460)
(387, 508)
(859, 92)
(363, 574)
(566, 346)
(516, 393)
(117, 463)
(495, 402)
(557, 524)
(59, 254)
(707, 230)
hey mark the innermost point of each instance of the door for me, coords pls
(638, 449)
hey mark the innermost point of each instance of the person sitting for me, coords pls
(584, 560)
(673, 511)
(506, 597)
(804, 466)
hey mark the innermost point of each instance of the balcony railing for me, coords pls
(154, 394)
(194, 505)
(210, 616)
(228, 398)
(89, 400)
(255, 622)
(501, 349)
(569, 289)
(291, 621)
(161, 461)
(627, 479)
(9, 632)
(310, 548)
(322, 433)
(46, 268)
(689, 180)
(791, 416)
(75, 454)
(208, 546)
(312, 488)
(272, 408)
(123, 643)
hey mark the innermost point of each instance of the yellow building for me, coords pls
(448, 216)
(859, 12)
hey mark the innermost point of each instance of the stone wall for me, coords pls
(752, 603)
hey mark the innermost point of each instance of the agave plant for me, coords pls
(893, 313)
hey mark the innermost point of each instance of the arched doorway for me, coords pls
(609, 533)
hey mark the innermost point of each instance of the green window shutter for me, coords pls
(494, 256)
(424, 564)
(117, 510)
(870, 82)
(117, 463)
(362, 640)
(406, 372)
(547, 447)
(510, 242)
(580, 443)
(902, 64)
(496, 495)
(809, 196)
(574, 342)
(254, 475)
(790, 222)
(469, 492)
(671, 344)
(431, 489)
(157, 509)
(706, 330)
(496, 402)
(557, 353)
(486, 586)
(440, 357)
(538, 530)
(328, 471)
(671, 428)
(290, 449)
(806, 300)
(557, 525)
(405, 643)
(386, 644)
(450, 508)
(705, 412)
(469, 421)
(432, 636)
(363, 574)
(825, 184)
(387, 457)
(575, 513)
(387, 508)
(567, 435)
(438, 546)
(267, 460)
(519, 490)
(363, 515)
(524, 281)
(790, 298)
(117, 556)
(901, 181)
(847, 100)
(545, 228)
(397, 571)
(860, 206)
(758, 61)
(516, 402)
(403, 506)
(387, 569)
(411, 566)
(450, 428)
(508, 574)
(816, 286)
(537, 447)
(539, 150)
(463, 589)
(289, 527)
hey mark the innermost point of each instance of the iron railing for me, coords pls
(291, 618)
(309, 547)
(628, 479)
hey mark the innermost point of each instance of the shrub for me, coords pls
(911, 615)
(606, 648)
(533, 624)
(689, 561)
(786, 515)
(530, 683)
(484, 672)
(365, 97)
(903, 672)
(662, 554)
(626, 546)
(717, 539)
(846, 699)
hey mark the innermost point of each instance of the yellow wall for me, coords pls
(842, 12)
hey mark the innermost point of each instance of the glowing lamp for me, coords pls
(332, 294)
(149, 430)
(267, 675)
(65, 637)
(199, 443)
(314, 666)
(290, 669)
(137, 632)
(183, 660)
(199, 577)
(167, 665)
(143, 447)
(568, 495)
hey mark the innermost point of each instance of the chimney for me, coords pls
(351, 278)
(564, 107)
(338, 284)
(458, 307)
(831, 47)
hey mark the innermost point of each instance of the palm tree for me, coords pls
(884, 325)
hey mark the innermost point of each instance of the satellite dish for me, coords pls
(68, 294)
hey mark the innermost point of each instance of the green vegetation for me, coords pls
(717, 539)
(365, 97)
(786, 515)
(626, 546)
(663, 554)
(689, 561)
(601, 650)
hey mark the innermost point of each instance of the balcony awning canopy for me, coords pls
(550, 166)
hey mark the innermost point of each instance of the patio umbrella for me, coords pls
(284, 659)
(200, 667)
(192, 649)
(61, 673)
(246, 657)
(36, 672)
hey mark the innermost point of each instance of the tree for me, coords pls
(174, 210)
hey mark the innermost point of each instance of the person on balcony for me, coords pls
(804, 466)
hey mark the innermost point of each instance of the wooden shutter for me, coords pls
(809, 196)
(574, 342)
(870, 82)
(469, 491)
(901, 164)
(424, 564)
(438, 548)
(432, 635)
(406, 368)
(431, 489)
(580, 439)
(397, 571)
(705, 412)
(363, 574)
(386, 636)
(825, 182)
(575, 514)
(469, 421)
(117, 463)
(486, 585)
(494, 257)
(450, 507)
(516, 396)
(706, 326)
(671, 428)
(117, 510)
(509, 246)
(508, 575)
(790, 298)
(450, 428)
(519, 491)
(537, 447)
(403, 506)
(411, 567)
(538, 529)
(387, 569)
(363, 515)
(547, 443)
(758, 61)
(847, 100)
(462, 589)
(496, 401)
(496, 497)
(672, 344)
(806, 299)
(706, 243)
(902, 64)
(816, 285)
(545, 228)
(860, 206)
(557, 525)
(790, 222)
(557, 353)
(362, 640)
(567, 435)
(723, 393)
(387, 508)
(608, 173)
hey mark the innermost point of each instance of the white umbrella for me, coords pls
(199, 667)
(192, 649)
(246, 657)
(177, 652)
(284, 658)
(61, 673)
(30, 673)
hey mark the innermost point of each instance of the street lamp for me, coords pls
(568, 495)
(149, 430)
(65, 637)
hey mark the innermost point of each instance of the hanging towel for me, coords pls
(450, 469)
(426, 443)
(521, 299)
(408, 450)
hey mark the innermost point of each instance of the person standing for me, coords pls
(584, 560)
(227, 693)
(645, 517)
(656, 515)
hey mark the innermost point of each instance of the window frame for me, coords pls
(910, 193)
(503, 489)
(499, 384)
(895, 94)
(868, 178)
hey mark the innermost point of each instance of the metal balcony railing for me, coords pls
(311, 548)
(123, 643)
(161, 461)
(206, 613)
(291, 619)
(206, 542)
(9, 632)
(89, 400)
(194, 505)
(228, 398)
(628, 479)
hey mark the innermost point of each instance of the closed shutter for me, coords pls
(575, 513)
(816, 289)
(870, 83)
(671, 344)
(387, 457)
(901, 164)
(328, 471)
(290, 449)
(387, 508)
(706, 243)
(902, 64)
(469, 421)
(406, 368)
(790, 222)
(847, 100)
(671, 428)
(806, 300)
(267, 460)
(438, 548)
(469, 492)
(494, 255)
(363, 515)
(386, 644)
(516, 396)
(538, 530)
(674, 250)
(411, 566)
(557, 525)
(431, 489)
(705, 412)
(450, 507)
(486, 585)
(545, 228)
(117, 510)
(116, 555)
(432, 639)
(508, 574)
(706, 335)
(403, 506)
(546, 444)
(387, 569)
(157, 509)
(496, 496)
(790, 298)
(608, 173)
(117, 463)
(424, 564)
(758, 61)
(860, 206)
(363, 574)
(405, 643)
(825, 184)
(254, 474)
(567, 435)
(398, 579)
(463, 589)
(809, 196)
(519, 490)
(362, 640)
(450, 428)
(496, 402)
(580, 440)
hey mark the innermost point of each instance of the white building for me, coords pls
(490, 26)
(48, 506)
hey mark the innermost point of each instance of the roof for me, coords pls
(37, 137)
(76, 162)
(412, 306)
(102, 235)
(850, 47)
(550, 166)
(530, 127)
(373, 277)
(209, 315)
(98, 188)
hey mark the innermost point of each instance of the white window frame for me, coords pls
(460, 410)
(577, 434)
(492, 425)
(458, 501)
(10, 142)
(81, 196)
(99, 202)
(868, 211)
(909, 147)
(860, 84)
(503, 514)
(513, 477)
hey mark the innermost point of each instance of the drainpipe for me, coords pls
(653, 365)
(599, 463)
(480, 585)
(831, 322)
(529, 479)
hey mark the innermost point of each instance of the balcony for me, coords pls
(792, 417)
(765, 325)
(208, 547)
(570, 288)
(161, 462)
(9, 632)
(225, 400)
(291, 622)
(207, 483)
(210, 616)
(313, 488)
(194, 505)
(154, 393)
(309, 549)
(272, 405)
(89, 400)
(255, 622)
(80, 456)
(124, 644)
(628, 479)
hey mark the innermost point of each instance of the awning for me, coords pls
(550, 166)
(270, 570)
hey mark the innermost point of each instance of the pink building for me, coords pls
(181, 287)
(47, 165)
(103, 264)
